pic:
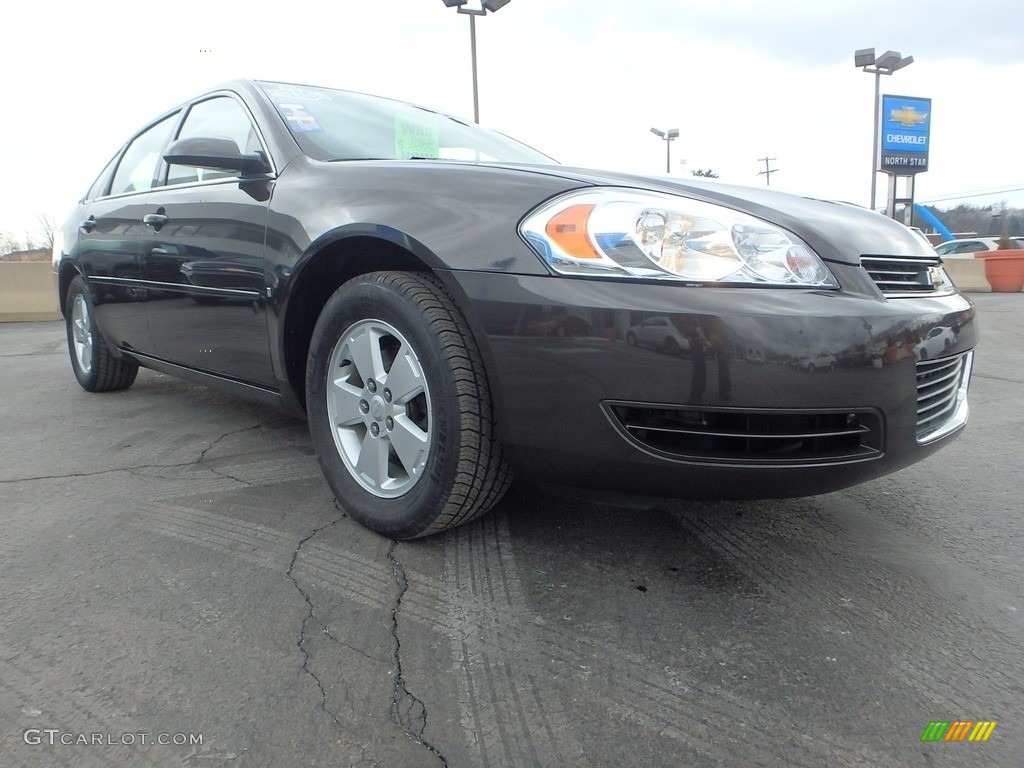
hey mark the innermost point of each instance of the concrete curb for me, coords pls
(968, 274)
(28, 289)
(28, 292)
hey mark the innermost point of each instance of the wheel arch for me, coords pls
(335, 258)
(67, 272)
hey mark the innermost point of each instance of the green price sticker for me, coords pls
(415, 139)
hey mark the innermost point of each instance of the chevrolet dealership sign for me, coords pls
(905, 131)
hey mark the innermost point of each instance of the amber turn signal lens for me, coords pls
(568, 228)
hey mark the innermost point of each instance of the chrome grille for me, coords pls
(938, 387)
(740, 435)
(902, 275)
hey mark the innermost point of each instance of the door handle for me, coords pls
(89, 224)
(155, 220)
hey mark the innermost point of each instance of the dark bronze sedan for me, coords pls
(447, 306)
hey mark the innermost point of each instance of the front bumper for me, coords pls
(750, 393)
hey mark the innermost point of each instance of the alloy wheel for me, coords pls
(379, 408)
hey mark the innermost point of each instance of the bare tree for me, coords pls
(986, 220)
(8, 243)
(48, 226)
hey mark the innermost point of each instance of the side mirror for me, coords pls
(214, 153)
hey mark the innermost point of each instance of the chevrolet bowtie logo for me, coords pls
(908, 117)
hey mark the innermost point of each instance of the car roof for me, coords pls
(970, 240)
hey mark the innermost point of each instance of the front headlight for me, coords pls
(616, 232)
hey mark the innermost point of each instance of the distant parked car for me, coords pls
(938, 341)
(823, 361)
(973, 245)
(559, 325)
(658, 333)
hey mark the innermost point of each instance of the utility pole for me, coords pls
(768, 170)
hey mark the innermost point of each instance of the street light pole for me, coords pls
(476, 90)
(485, 6)
(885, 64)
(668, 136)
(874, 142)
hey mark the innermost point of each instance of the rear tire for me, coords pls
(96, 367)
(399, 407)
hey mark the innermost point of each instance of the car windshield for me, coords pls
(341, 125)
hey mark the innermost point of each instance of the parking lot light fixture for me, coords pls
(886, 64)
(669, 136)
(486, 6)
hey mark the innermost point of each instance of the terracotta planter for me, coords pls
(1004, 270)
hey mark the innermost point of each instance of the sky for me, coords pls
(583, 81)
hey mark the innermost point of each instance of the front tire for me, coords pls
(96, 367)
(399, 407)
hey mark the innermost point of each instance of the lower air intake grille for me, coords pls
(938, 384)
(742, 436)
(903, 275)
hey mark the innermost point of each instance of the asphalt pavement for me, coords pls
(177, 587)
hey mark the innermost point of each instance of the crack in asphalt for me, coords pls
(312, 616)
(406, 710)
(996, 378)
(97, 472)
(137, 467)
(225, 475)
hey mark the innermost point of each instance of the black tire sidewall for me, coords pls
(368, 298)
(88, 380)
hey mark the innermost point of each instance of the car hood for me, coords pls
(837, 231)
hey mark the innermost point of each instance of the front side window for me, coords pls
(219, 118)
(141, 161)
(341, 125)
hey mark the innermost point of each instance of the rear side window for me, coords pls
(99, 187)
(140, 163)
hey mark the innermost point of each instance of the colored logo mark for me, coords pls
(908, 117)
(958, 730)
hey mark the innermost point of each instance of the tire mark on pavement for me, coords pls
(752, 543)
(502, 652)
(494, 634)
(73, 712)
(512, 717)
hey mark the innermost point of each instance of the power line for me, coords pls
(973, 194)
(768, 170)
